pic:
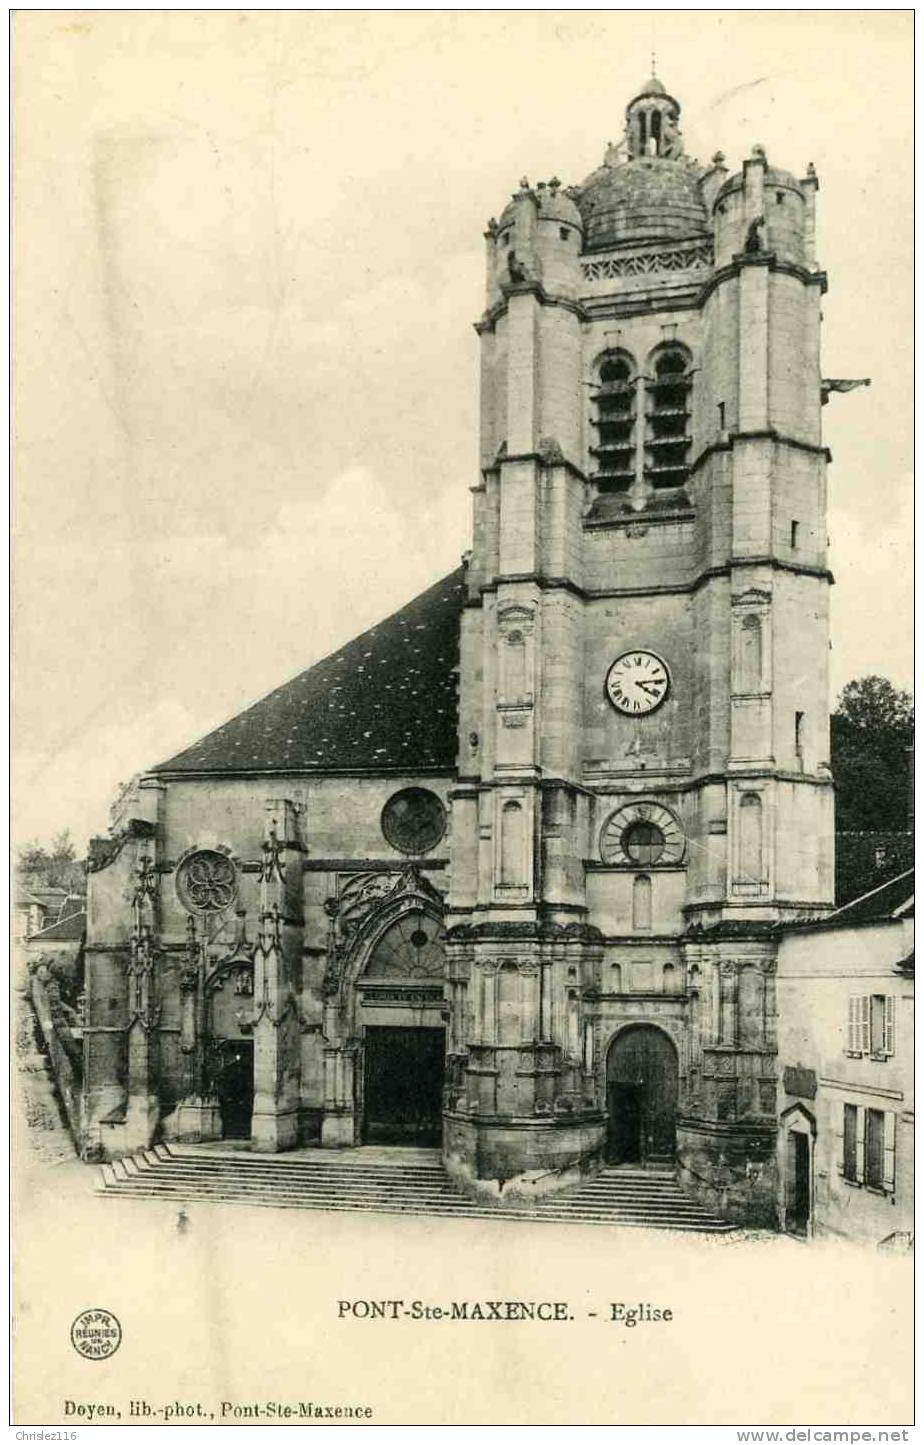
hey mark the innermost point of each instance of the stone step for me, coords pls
(632, 1198)
(580, 1199)
(567, 1207)
(273, 1201)
(294, 1169)
(664, 1218)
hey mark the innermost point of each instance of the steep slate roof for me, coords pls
(386, 700)
(65, 930)
(894, 899)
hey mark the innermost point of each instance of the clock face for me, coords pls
(637, 682)
(414, 820)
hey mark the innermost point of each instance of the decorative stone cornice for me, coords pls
(685, 257)
(771, 261)
(532, 931)
(768, 434)
(525, 288)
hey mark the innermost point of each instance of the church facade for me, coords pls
(505, 875)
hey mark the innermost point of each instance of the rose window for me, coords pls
(206, 882)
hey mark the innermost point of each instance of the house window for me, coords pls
(798, 732)
(869, 1148)
(794, 534)
(875, 1148)
(881, 1024)
(871, 1025)
(850, 1142)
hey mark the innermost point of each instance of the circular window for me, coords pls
(643, 843)
(414, 820)
(206, 881)
(642, 835)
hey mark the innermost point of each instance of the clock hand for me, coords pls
(649, 687)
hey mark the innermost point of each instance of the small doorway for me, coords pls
(403, 1085)
(642, 1089)
(798, 1183)
(234, 1086)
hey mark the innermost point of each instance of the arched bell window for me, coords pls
(614, 422)
(667, 429)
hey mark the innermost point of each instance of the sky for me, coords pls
(248, 255)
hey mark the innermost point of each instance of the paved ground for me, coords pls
(234, 1306)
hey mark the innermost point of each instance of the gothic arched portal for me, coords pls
(404, 1044)
(642, 1084)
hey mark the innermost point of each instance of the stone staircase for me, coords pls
(390, 1182)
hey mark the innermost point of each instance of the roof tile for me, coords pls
(333, 717)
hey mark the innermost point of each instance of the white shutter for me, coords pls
(888, 1154)
(853, 1004)
(888, 1026)
(861, 1144)
(864, 1045)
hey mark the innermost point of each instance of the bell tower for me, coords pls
(643, 787)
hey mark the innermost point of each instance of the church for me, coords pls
(505, 875)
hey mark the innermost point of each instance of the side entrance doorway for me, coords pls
(232, 1072)
(797, 1148)
(641, 1097)
(403, 1085)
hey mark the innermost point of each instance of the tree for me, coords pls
(872, 731)
(55, 866)
(33, 858)
(62, 847)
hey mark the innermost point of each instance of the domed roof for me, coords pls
(646, 198)
(652, 86)
(555, 204)
(773, 176)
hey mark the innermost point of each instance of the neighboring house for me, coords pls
(36, 907)
(61, 940)
(845, 991)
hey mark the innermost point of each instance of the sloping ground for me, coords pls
(36, 1106)
(416, 1185)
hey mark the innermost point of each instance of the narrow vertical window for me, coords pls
(614, 422)
(667, 437)
(751, 654)
(641, 903)
(509, 1012)
(798, 730)
(750, 840)
(513, 846)
(721, 416)
(794, 534)
(514, 665)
